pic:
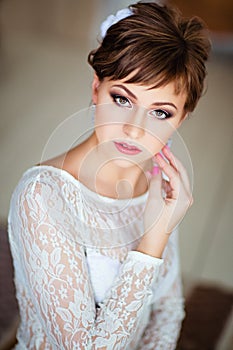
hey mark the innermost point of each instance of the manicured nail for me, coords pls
(155, 170)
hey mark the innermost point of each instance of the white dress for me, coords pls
(80, 283)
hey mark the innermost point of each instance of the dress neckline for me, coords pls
(94, 195)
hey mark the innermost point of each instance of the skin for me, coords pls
(161, 215)
(135, 119)
(137, 115)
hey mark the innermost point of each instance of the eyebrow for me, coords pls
(126, 90)
(135, 97)
(164, 103)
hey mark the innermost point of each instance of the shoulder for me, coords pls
(42, 192)
(72, 159)
(41, 181)
(58, 174)
(64, 161)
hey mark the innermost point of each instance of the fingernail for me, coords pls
(155, 170)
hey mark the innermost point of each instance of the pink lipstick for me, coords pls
(125, 148)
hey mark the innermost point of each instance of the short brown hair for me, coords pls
(160, 46)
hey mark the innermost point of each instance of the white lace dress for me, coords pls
(80, 284)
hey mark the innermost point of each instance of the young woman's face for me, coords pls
(133, 122)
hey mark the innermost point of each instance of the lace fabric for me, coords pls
(80, 283)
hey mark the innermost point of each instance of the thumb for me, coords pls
(155, 187)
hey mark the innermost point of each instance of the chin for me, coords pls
(125, 163)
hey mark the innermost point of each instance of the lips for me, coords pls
(125, 148)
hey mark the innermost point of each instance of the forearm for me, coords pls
(153, 244)
(124, 305)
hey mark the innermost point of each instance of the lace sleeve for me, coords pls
(55, 273)
(165, 322)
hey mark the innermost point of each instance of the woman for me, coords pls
(93, 231)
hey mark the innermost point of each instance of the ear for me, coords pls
(95, 86)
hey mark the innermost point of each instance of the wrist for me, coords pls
(153, 245)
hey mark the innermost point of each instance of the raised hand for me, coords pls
(167, 203)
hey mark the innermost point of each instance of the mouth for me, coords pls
(125, 148)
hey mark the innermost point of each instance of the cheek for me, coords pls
(106, 132)
(153, 144)
(100, 134)
(158, 132)
(103, 114)
(107, 122)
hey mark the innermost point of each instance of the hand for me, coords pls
(162, 214)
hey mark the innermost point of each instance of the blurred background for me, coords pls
(45, 78)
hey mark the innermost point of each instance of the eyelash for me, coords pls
(116, 98)
(161, 111)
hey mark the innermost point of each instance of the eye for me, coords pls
(121, 101)
(160, 114)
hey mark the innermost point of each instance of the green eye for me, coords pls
(159, 114)
(121, 101)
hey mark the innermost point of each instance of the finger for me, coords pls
(176, 163)
(168, 169)
(177, 186)
(148, 175)
(185, 188)
(155, 186)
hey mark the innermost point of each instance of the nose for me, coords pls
(134, 127)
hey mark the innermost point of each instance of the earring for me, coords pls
(93, 108)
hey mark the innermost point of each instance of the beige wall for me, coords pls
(45, 79)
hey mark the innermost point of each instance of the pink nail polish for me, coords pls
(155, 170)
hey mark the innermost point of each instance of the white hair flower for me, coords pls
(112, 19)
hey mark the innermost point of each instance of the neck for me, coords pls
(108, 177)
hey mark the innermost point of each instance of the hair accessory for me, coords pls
(112, 19)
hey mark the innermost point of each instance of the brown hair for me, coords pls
(158, 46)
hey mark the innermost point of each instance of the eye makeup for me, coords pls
(159, 114)
(121, 101)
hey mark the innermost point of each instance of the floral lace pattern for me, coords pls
(80, 284)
